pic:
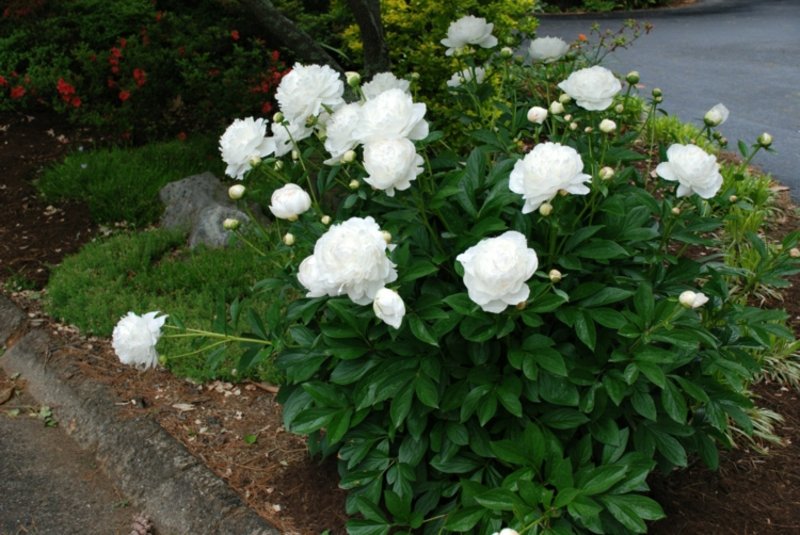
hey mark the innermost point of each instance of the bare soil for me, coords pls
(236, 429)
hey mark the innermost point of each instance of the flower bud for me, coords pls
(573, 126)
(415, 75)
(765, 140)
(619, 108)
(690, 299)
(521, 305)
(675, 210)
(568, 117)
(564, 98)
(606, 173)
(656, 92)
(325, 220)
(255, 161)
(387, 236)
(236, 192)
(716, 115)
(555, 276)
(277, 118)
(278, 165)
(353, 78)
(230, 223)
(632, 77)
(607, 126)
(794, 252)
(556, 108)
(545, 209)
(288, 239)
(733, 199)
(588, 129)
(506, 52)
(354, 184)
(295, 154)
(349, 156)
(537, 114)
(658, 100)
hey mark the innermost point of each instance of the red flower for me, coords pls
(181, 136)
(213, 72)
(3, 81)
(111, 83)
(65, 89)
(275, 55)
(76, 102)
(159, 16)
(122, 42)
(17, 92)
(235, 35)
(266, 107)
(115, 69)
(582, 37)
(124, 95)
(140, 76)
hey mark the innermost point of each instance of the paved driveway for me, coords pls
(745, 54)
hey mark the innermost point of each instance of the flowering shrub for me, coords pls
(540, 337)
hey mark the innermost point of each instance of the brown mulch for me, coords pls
(237, 431)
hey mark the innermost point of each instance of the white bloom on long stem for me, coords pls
(690, 299)
(340, 132)
(717, 115)
(496, 271)
(135, 337)
(307, 90)
(243, 141)
(289, 201)
(478, 74)
(593, 88)
(389, 307)
(383, 81)
(694, 169)
(547, 49)
(469, 30)
(537, 114)
(350, 258)
(546, 170)
(391, 114)
(391, 164)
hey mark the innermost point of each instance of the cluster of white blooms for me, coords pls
(135, 337)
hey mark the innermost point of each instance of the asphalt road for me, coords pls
(743, 54)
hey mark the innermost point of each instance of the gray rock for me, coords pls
(198, 205)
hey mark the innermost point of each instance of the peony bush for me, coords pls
(505, 333)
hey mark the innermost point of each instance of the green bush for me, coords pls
(141, 69)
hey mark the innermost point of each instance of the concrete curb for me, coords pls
(176, 491)
(701, 7)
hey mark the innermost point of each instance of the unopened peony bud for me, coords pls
(295, 154)
(353, 78)
(288, 239)
(545, 209)
(278, 165)
(564, 98)
(573, 126)
(555, 275)
(606, 173)
(354, 184)
(277, 118)
(676, 211)
(255, 161)
(733, 198)
(506, 52)
(556, 108)
(656, 92)
(325, 220)
(607, 126)
(521, 305)
(230, 224)
(236, 192)
(588, 129)
(690, 299)
(632, 77)
(568, 117)
(415, 75)
(658, 100)
(619, 108)
(765, 140)
(349, 156)
(794, 252)
(716, 115)
(563, 192)
(537, 114)
(387, 236)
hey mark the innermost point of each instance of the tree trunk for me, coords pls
(368, 16)
(291, 36)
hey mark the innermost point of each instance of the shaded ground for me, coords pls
(236, 429)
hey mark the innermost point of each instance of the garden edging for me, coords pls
(178, 492)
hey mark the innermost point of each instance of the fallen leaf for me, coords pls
(183, 407)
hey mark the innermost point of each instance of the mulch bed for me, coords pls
(237, 430)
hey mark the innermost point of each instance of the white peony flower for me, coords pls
(307, 90)
(286, 135)
(340, 138)
(350, 258)
(496, 271)
(383, 81)
(467, 75)
(690, 299)
(289, 201)
(469, 30)
(389, 307)
(506, 531)
(593, 88)
(547, 49)
(391, 164)
(556, 108)
(243, 141)
(236, 192)
(607, 126)
(393, 113)
(694, 169)
(716, 115)
(537, 114)
(135, 337)
(543, 172)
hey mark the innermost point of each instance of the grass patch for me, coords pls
(153, 271)
(122, 184)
